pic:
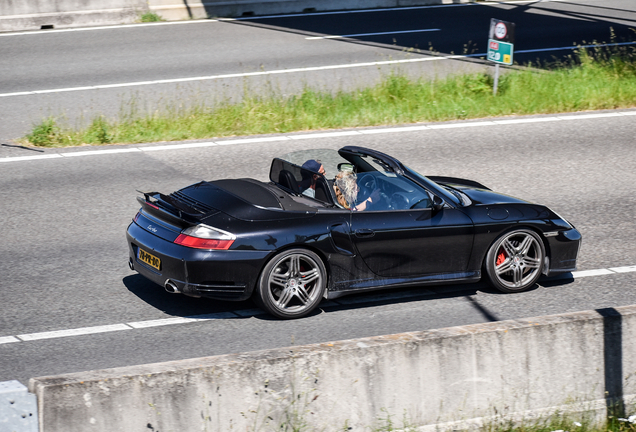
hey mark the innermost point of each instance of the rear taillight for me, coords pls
(137, 216)
(205, 237)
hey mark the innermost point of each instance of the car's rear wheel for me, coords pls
(292, 284)
(515, 261)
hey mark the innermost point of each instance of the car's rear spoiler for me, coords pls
(162, 206)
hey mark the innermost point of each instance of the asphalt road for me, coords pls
(79, 74)
(63, 253)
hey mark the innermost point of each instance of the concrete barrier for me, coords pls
(180, 10)
(19, 15)
(438, 379)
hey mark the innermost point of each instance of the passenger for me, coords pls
(308, 185)
(347, 190)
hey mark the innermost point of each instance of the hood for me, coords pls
(481, 196)
(486, 197)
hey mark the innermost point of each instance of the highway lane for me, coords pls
(162, 56)
(63, 253)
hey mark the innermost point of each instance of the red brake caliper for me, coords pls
(501, 257)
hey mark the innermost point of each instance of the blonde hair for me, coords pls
(346, 188)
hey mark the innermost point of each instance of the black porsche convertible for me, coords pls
(330, 223)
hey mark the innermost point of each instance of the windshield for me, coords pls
(437, 189)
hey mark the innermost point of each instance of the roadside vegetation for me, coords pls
(590, 80)
(150, 17)
(557, 423)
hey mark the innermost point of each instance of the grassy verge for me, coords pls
(596, 79)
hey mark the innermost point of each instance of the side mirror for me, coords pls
(438, 203)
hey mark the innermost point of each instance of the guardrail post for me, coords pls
(18, 408)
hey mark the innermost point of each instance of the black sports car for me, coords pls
(331, 223)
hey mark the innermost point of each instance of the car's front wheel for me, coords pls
(515, 260)
(292, 284)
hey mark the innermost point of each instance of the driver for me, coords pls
(347, 191)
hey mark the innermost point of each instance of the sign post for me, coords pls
(500, 45)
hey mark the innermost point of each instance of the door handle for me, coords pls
(365, 232)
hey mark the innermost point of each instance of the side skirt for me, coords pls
(356, 286)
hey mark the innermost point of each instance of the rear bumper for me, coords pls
(220, 275)
(564, 251)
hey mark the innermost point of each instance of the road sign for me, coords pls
(500, 52)
(501, 41)
(502, 31)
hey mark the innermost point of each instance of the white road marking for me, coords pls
(587, 273)
(390, 9)
(232, 75)
(284, 71)
(139, 325)
(318, 135)
(73, 332)
(370, 34)
(181, 320)
(627, 269)
(113, 27)
(256, 18)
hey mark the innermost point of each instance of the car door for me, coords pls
(413, 242)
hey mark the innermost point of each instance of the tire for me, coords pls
(515, 261)
(292, 284)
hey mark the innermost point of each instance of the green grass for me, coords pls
(150, 17)
(591, 80)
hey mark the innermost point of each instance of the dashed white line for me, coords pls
(181, 320)
(627, 269)
(138, 325)
(73, 332)
(370, 34)
(587, 273)
(319, 135)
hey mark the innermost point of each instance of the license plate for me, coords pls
(149, 259)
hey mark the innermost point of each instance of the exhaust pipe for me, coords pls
(131, 265)
(171, 287)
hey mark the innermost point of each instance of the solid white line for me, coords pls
(318, 136)
(530, 120)
(573, 47)
(370, 34)
(266, 73)
(324, 135)
(627, 269)
(244, 313)
(233, 75)
(394, 130)
(461, 125)
(26, 158)
(8, 339)
(100, 152)
(178, 146)
(181, 320)
(167, 23)
(592, 116)
(587, 273)
(113, 27)
(389, 9)
(73, 332)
